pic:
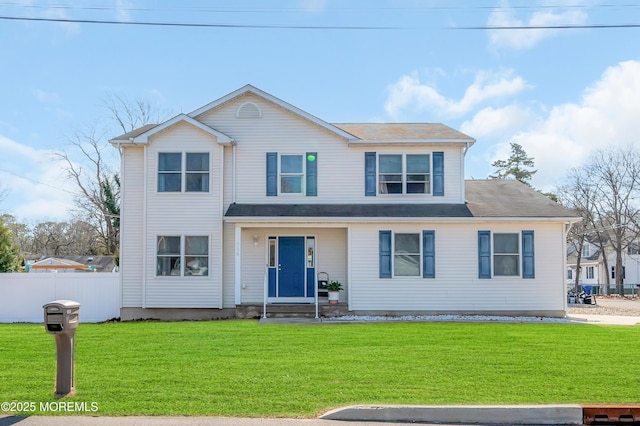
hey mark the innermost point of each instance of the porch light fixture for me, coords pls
(255, 240)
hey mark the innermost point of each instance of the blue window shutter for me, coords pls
(428, 254)
(272, 174)
(385, 254)
(484, 254)
(438, 173)
(528, 262)
(370, 174)
(312, 174)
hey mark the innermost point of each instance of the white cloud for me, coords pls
(504, 16)
(58, 13)
(607, 115)
(313, 6)
(410, 95)
(44, 96)
(122, 10)
(35, 183)
(494, 122)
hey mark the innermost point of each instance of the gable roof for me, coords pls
(249, 89)
(405, 133)
(57, 263)
(354, 133)
(142, 135)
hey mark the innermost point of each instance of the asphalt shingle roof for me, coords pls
(510, 198)
(403, 131)
(485, 198)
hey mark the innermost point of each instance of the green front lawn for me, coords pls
(241, 368)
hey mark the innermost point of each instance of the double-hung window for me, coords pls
(506, 254)
(182, 256)
(404, 254)
(291, 174)
(590, 272)
(404, 174)
(183, 172)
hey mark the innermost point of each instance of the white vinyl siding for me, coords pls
(132, 226)
(184, 214)
(457, 286)
(340, 166)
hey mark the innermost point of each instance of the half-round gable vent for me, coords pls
(249, 110)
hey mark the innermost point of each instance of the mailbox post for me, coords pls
(61, 319)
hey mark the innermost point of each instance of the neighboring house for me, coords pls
(73, 264)
(245, 200)
(55, 264)
(630, 269)
(593, 270)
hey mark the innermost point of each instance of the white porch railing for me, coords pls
(266, 294)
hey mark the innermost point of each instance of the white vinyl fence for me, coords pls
(22, 295)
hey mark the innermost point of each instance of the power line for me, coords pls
(544, 27)
(185, 24)
(316, 27)
(38, 182)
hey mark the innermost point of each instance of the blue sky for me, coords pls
(562, 93)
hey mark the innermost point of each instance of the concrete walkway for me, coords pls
(362, 415)
(604, 319)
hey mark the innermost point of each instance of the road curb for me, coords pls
(502, 414)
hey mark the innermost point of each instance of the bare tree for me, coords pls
(131, 114)
(96, 181)
(578, 194)
(92, 166)
(49, 238)
(616, 208)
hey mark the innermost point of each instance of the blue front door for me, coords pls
(291, 267)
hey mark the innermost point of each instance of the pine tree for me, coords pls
(10, 260)
(516, 167)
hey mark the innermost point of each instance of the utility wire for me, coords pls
(186, 24)
(38, 182)
(544, 27)
(314, 27)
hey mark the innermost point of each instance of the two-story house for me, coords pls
(244, 201)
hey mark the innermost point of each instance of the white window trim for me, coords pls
(303, 175)
(587, 270)
(393, 255)
(404, 174)
(493, 254)
(183, 257)
(183, 172)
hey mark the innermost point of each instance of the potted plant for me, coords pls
(333, 288)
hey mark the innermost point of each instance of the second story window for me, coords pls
(404, 174)
(291, 174)
(183, 172)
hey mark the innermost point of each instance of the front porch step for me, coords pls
(291, 310)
